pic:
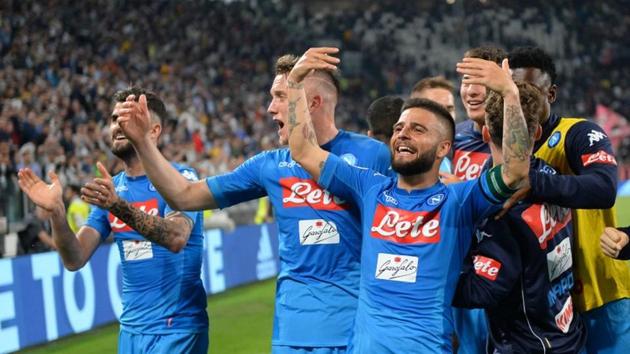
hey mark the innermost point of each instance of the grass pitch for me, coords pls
(240, 323)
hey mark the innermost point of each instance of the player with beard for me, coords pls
(416, 230)
(164, 302)
(319, 234)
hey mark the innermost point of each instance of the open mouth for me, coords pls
(120, 137)
(279, 123)
(474, 104)
(405, 150)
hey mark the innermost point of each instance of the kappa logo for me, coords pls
(480, 234)
(599, 157)
(546, 221)
(298, 192)
(436, 199)
(468, 164)
(289, 164)
(595, 136)
(404, 226)
(389, 198)
(149, 207)
(554, 139)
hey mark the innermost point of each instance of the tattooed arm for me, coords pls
(171, 232)
(302, 140)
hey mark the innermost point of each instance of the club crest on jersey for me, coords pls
(554, 139)
(396, 267)
(149, 207)
(349, 158)
(468, 164)
(546, 221)
(152, 187)
(436, 199)
(404, 226)
(297, 192)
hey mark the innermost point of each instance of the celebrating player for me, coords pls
(581, 152)
(164, 303)
(521, 264)
(416, 230)
(320, 237)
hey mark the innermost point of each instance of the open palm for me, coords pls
(46, 196)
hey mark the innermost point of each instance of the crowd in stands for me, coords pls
(212, 63)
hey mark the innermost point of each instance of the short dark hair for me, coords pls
(383, 113)
(437, 109)
(491, 53)
(532, 103)
(433, 82)
(155, 104)
(533, 57)
(285, 64)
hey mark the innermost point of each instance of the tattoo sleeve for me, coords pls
(153, 228)
(516, 141)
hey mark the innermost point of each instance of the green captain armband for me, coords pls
(497, 186)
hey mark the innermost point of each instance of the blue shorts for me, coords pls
(472, 330)
(608, 328)
(288, 349)
(185, 343)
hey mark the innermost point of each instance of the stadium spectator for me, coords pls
(168, 244)
(35, 237)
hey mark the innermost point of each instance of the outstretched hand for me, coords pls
(314, 59)
(45, 196)
(101, 191)
(134, 118)
(488, 73)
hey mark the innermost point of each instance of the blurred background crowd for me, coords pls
(212, 63)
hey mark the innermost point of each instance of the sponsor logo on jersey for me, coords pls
(468, 164)
(403, 226)
(560, 288)
(121, 188)
(559, 259)
(480, 235)
(389, 198)
(318, 232)
(436, 199)
(349, 158)
(149, 207)
(396, 267)
(486, 267)
(135, 250)
(599, 157)
(548, 170)
(554, 139)
(546, 221)
(565, 316)
(297, 192)
(595, 136)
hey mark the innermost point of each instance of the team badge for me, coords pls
(435, 199)
(152, 187)
(350, 159)
(554, 139)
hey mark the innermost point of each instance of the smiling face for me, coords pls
(279, 106)
(418, 136)
(473, 98)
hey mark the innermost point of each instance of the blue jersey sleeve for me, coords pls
(242, 184)
(97, 219)
(347, 181)
(482, 196)
(591, 158)
(191, 175)
(383, 161)
(492, 268)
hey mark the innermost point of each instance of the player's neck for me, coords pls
(133, 167)
(497, 154)
(419, 181)
(325, 130)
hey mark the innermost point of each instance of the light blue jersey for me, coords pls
(162, 291)
(319, 239)
(413, 247)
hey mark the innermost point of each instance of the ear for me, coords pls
(551, 95)
(443, 149)
(538, 132)
(315, 103)
(156, 131)
(485, 134)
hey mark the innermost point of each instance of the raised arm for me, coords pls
(517, 145)
(302, 140)
(75, 250)
(179, 193)
(171, 232)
